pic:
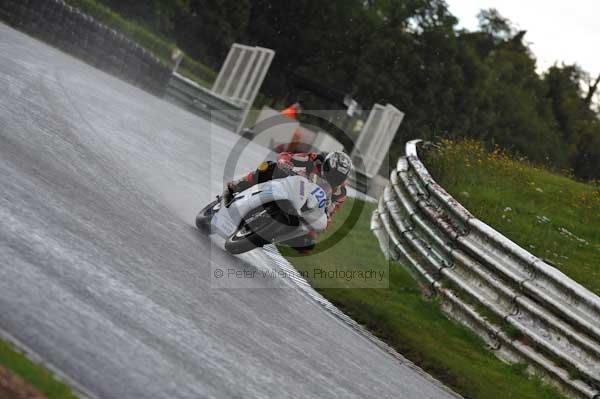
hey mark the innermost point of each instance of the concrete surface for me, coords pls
(103, 275)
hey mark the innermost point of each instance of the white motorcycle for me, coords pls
(272, 212)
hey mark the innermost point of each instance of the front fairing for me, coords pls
(295, 189)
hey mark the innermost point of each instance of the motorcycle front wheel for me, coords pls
(204, 217)
(259, 229)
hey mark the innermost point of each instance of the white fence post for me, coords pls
(233, 92)
(376, 137)
(242, 75)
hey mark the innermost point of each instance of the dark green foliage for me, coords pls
(204, 29)
(209, 28)
(449, 82)
(578, 124)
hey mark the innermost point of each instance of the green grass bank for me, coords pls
(36, 376)
(551, 215)
(413, 325)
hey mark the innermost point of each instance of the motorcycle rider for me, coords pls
(334, 167)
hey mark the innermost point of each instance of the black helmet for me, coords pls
(336, 167)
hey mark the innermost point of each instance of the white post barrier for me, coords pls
(376, 137)
(242, 75)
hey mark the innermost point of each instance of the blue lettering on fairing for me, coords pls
(320, 196)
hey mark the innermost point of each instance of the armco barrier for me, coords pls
(525, 310)
(79, 34)
(203, 102)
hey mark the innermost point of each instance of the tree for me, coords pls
(494, 24)
(579, 125)
(210, 27)
(449, 82)
(592, 87)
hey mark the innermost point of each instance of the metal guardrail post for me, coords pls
(526, 310)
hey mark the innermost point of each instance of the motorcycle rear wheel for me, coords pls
(247, 238)
(259, 229)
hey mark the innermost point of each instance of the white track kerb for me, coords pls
(526, 310)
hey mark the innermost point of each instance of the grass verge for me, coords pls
(552, 216)
(158, 45)
(413, 325)
(35, 375)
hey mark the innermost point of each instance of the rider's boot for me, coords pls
(263, 173)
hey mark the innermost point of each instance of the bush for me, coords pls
(161, 47)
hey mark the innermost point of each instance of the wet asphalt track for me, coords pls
(103, 275)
